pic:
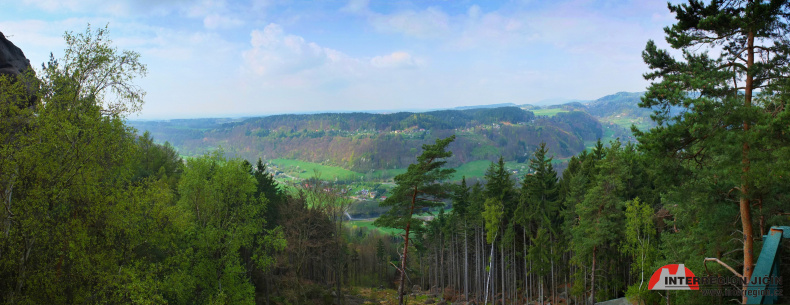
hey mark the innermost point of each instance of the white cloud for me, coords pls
(357, 57)
(474, 11)
(428, 23)
(205, 8)
(215, 21)
(115, 7)
(394, 60)
(274, 52)
(277, 53)
(53, 5)
(356, 6)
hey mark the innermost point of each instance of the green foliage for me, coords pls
(101, 70)
(362, 142)
(218, 195)
(499, 185)
(640, 243)
(74, 227)
(157, 161)
(540, 252)
(461, 198)
(422, 186)
(600, 213)
(268, 191)
(722, 145)
(492, 214)
(93, 214)
(539, 190)
(540, 209)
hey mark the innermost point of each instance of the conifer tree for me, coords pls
(727, 101)
(421, 186)
(540, 189)
(539, 192)
(600, 213)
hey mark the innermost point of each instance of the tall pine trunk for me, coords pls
(502, 264)
(466, 263)
(592, 279)
(406, 248)
(745, 207)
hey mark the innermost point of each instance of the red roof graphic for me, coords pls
(673, 277)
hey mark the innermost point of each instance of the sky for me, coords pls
(224, 58)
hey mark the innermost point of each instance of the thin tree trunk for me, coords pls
(466, 264)
(406, 249)
(592, 290)
(526, 274)
(502, 263)
(441, 260)
(490, 266)
(553, 289)
(745, 207)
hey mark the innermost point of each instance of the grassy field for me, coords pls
(390, 297)
(303, 169)
(608, 135)
(626, 122)
(471, 169)
(308, 169)
(548, 112)
(369, 225)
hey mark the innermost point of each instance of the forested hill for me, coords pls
(441, 119)
(621, 108)
(368, 141)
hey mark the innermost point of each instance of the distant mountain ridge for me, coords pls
(366, 141)
(485, 106)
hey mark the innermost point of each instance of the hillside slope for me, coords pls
(365, 141)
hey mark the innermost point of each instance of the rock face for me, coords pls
(12, 60)
(13, 63)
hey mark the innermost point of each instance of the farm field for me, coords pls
(548, 112)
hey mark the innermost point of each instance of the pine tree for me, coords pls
(539, 192)
(600, 213)
(461, 206)
(421, 186)
(715, 113)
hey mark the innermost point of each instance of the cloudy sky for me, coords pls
(212, 58)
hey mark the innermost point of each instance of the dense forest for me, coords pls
(365, 141)
(93, 212)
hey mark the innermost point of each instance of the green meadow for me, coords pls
(548, 112)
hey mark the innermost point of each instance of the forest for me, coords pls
(93, 212)
(365, 141)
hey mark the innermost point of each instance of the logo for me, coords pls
(673, 277)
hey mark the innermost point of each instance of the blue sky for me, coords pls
(216, 58)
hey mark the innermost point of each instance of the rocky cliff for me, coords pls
(13, 63)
